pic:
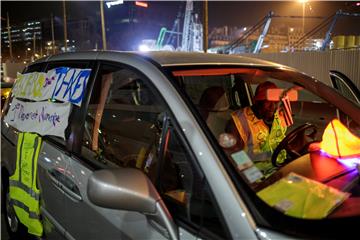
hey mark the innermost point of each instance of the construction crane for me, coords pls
(191, 34)
(332, 19)
(265, 23)
(231, 48)
(170, 34)
(264, 32)
(192, 30)
(185, 43)
(159, 45)
(175, 30)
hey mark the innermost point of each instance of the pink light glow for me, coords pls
(349, 162)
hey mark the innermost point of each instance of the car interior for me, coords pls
(216, 96)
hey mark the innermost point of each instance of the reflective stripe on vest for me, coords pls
(28, 190)
(255, 134)
(24, 194)
(21, 205)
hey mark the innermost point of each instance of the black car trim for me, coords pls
(352, 87)
(5, 137)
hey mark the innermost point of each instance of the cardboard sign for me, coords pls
(63, 84)
(44, 118)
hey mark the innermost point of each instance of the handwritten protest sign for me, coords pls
(63, 84)
(30, 86)
(70, 84)
(44, 118)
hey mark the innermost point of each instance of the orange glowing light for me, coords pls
(141, 4)
(339, 142)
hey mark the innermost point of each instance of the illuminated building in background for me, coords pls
(22, 38)
(23, 33)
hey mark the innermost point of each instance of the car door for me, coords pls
(347, 88)
(116, 132)
(53, 159)
(123, 129)
(53, 162)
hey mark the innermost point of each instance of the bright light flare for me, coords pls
(302, 1)
(143, 48)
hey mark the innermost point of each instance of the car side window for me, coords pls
(186, 192)
(71, 64)
(345, 87)
(122, 122)
(124, 128)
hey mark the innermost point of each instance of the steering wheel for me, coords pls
(293, 144)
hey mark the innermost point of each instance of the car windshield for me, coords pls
(297, 152)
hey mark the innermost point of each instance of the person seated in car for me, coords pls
(258, 129)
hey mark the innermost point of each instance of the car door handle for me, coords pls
(65, 185)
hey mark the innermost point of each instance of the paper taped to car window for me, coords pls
(44, 118)
(63, 84)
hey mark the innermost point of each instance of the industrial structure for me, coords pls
(191, 34)
(331, 21)
(25, 36)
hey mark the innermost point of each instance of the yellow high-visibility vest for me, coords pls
(259, 142)
(24, 194)
(301, 197)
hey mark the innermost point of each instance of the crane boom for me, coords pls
(185, 43)
(263, 34)
(338, 14)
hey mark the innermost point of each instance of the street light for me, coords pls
(65, 26)
(26, 52)
(113, 3)
(103, 24)
(103, 30)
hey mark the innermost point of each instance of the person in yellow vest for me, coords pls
(24, 193)
(260, 128)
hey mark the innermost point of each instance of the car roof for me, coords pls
(164, 58)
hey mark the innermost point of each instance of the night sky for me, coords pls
(163, 13)
(220, 12)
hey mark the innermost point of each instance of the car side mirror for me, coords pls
(129, 189)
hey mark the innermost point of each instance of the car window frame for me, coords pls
(354, 90)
